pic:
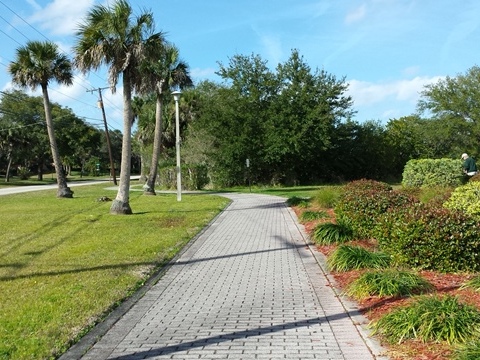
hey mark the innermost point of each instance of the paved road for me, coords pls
(21, 189)
(248, 287)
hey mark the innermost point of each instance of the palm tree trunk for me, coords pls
(149, 187)
(7, 174)
(121, 203)
(63, 190)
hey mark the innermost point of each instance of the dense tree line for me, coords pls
(24, 143)
(288, 125)
(295, 129)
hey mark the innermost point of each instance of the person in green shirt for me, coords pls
(469, 165)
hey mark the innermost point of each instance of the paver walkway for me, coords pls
(248, 287)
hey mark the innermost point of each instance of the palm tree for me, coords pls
(36, 64)
(112, 36)
(160, 76)
(144, 133)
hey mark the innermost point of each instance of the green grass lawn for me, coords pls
(286, 192)
(64, 263)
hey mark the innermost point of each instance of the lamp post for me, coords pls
(176, 97)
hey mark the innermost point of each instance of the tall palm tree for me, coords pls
(145, 130)
(37, 64)
(161, 74)
(112, 36)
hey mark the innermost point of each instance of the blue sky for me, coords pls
(387, 50)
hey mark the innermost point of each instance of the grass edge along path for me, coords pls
(66, 263)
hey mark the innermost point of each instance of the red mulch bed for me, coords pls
(374, 307)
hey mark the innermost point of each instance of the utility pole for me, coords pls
(109, 145)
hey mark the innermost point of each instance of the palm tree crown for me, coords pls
(114, 37)
(37, 63)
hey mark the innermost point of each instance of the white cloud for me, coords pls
(202, 74)
(34, 4)
(272, 48)
(387, 100)
(368, 93)
(356, 14)
(411, 71)
(61, 17)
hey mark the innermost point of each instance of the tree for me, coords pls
(112, 36)
(77, 140)
(306, 112)
(455, 100)
(458, 96)
(282, 121)
(162, 72)
(237, 118)
(143, 136)
(37, 64)
(19, 125)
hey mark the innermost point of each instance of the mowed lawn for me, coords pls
(65, 263)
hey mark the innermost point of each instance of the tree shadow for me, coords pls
(237, 335)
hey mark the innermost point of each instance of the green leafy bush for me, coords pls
(466, 198)
(347, 257)
(388, 282)
(364, 201)
(332, 233)
(430, 318)
(432, 172)
(431, 238)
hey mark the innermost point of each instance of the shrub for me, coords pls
(389, 282)
(328, 196)
(466, 198)
(431, 238)
(432, 172)
(298, 201)
(194, 177)
(23, 172)
(364, 201)
(332, 233)
(309, 215)
(347, 257)
(430, 318)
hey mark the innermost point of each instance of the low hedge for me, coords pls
(466, 198)
(430, 238)
(432, 172)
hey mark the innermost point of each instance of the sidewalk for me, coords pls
(248, 287)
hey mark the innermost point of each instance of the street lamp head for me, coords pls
(176, 95)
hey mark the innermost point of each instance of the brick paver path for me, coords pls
(248, 287)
